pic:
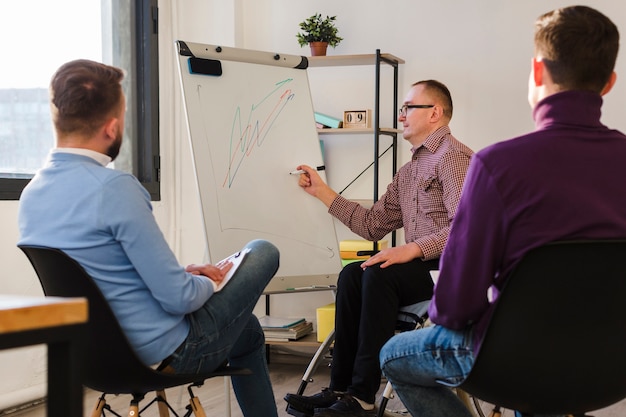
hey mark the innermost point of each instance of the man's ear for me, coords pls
(111, 127)
(538, 68)
(437, 113)
(609, 84)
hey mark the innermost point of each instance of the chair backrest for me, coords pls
(110, 364)
(556, 343)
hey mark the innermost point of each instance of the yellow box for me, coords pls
(348, 248)
(325, 321)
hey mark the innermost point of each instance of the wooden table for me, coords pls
(57, 322)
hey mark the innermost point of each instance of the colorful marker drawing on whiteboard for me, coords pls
(246, 136)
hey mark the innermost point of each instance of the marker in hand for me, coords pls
(301, 171)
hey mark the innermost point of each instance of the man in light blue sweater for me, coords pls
(103, 219)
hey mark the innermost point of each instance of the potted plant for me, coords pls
(319, 33)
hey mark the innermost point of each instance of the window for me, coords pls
(39, 36)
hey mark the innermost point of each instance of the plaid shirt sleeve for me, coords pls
(372, 224)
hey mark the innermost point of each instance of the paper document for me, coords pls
(236, 259)
(434, 274)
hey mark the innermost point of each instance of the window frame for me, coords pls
(145, 133)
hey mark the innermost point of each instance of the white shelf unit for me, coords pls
(377, 59)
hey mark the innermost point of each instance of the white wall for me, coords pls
(480, 48)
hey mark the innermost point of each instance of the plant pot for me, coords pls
(318, 48)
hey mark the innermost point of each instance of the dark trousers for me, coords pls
(367, 306)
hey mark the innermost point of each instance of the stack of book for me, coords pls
(283, 329)
(323, 121)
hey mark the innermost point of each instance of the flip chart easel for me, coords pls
(251, 123)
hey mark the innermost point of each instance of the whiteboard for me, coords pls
(251, 122)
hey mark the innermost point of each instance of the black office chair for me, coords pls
(557, 341)
(110, 365)
(410, 317)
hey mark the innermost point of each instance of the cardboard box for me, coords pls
(325, 321)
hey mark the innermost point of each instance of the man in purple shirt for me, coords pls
(564, 181)
(422, 199)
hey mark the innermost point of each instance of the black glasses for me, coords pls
(406, 107)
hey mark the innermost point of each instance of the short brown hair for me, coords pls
(439, 89)
(579, 47)
(83, 94)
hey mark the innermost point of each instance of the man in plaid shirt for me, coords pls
(423, 199)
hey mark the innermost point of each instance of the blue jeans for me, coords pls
(423, 364)
(224, 329)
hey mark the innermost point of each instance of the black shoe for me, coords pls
(307, 405)
(347, 406)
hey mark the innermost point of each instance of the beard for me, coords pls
(114, 149)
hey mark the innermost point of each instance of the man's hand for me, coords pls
(215, 273)
(398, 255)
(313, 184)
